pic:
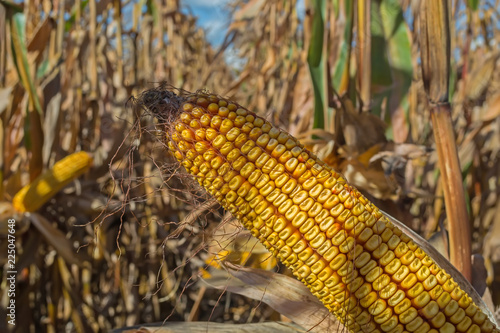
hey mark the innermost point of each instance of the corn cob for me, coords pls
(32, 196)
(362, 267)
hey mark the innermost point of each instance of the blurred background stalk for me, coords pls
(435, 56)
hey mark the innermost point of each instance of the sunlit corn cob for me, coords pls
(34, 195)
(372, 276)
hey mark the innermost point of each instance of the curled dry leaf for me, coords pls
(284, 294)
(209, 327)
(56, 238)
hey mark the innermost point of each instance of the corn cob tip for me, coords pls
(162, 101)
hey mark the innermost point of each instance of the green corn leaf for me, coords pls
(20, 56)
(317, 64)
(473, 4)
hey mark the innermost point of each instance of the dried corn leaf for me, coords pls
(57, 239)
(209, 327)
(284, 294)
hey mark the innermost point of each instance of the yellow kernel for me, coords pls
(408, 316)
(380, 251)
(474, 329)
(401, 249)
(381, 282)
(347, 245)
(362, 259)
(308, 224)
(421, 300)
(363, 319)
(457, 294)
(335, 211)
(324, 246)
(267, 188)
(286, 232)
(290, 186)
(285, 157)
(299, 219)
(447, 328)
(373, 274)
(373, 243)
(303, 271)
(414, 324)
(368, 299)
(263, 180)
(273, 143)
(451, 308)
(386, 235)
(409, 281)
(436, 292)
(368, 267)
(300, 246)
(364, 290)
(415, 264)
(378, 307)
(487, 326)
(390, 324)
(429, 282)
(314, 210)
(464, 301)
(387, 258)
(276, 197)
(302, 252)
(408, 258)
(416, 290)
(424, 328)
(338, 261)
(438, 320)
(365, 235)
(236, 182)
(471, 309)
(400, 274)
(267, 216)
(393, 242)
(312, 233)
(458, 316)
(241, 112)
(318, 267)
(464, 324)
(291, 212)
(331, 253)
(388, 291)
(396, 298)
(442, 277)
(299, 170)
(479, 318)
(338, 238)
(332, 201)
(213, 108)
(306, 204)
(278, 151)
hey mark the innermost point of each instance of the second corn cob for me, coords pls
(32, 196)
(363, 268)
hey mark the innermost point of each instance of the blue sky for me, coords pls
(213, 16)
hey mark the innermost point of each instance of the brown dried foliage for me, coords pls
(125, 243)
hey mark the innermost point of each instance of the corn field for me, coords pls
(110, 232)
